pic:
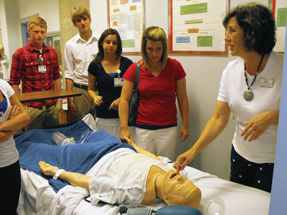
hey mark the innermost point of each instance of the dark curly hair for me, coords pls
(257, 24)
(110, 31)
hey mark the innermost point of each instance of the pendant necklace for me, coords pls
(248, 94)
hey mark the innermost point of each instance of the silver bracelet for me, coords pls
(58, 173)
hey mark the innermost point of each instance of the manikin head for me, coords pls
(178, 190)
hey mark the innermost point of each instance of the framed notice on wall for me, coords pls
(127, 17)
(196, 28)
(279, 8)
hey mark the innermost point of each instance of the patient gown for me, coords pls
(124, 182)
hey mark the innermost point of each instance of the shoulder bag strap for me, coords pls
(136, 81)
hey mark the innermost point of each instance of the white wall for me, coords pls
(47, 9)
(10, 31)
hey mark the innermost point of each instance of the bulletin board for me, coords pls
(279, 8)
(127, 17)
(195, 27)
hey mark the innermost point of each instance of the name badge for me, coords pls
(1, 116)
(118, 82)
(41, 69)
(266, 82)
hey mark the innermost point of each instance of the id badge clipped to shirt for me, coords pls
(41, 69)
(118, 82)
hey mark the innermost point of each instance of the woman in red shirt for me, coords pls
(161, 82)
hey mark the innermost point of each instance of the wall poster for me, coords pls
(279, 8)
(127, 17)
(196, 28)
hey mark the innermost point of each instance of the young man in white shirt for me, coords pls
(79, 52)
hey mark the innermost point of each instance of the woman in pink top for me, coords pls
(161, 82)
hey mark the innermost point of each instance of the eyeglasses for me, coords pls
(231, 31)
(3, 57)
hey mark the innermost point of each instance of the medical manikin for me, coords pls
(167, 185)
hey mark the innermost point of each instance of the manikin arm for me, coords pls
(140, 150)
(80, 180)
(75, 179)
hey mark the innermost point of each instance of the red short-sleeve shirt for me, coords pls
(157, 94)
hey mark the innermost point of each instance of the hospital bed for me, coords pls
(39, 197)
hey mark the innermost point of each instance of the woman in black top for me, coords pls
(105, 80)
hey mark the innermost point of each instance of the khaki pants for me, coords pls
(161, 142)
(84, 104)
(47, 117)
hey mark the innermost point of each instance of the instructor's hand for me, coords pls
(182, 161)
(259, 124)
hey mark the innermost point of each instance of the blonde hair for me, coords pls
(36, 20)
(79, 12)
(154, 33)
